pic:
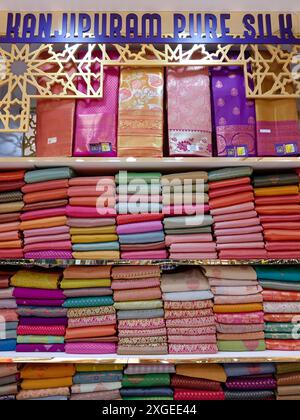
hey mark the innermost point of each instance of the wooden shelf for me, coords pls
(163, 263)
(162, 164)
(247, 357)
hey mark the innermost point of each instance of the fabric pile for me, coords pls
(92, 218)
(44, 221)
(187, 222)
(11, 205)
(9, 378)
(44, 382)
(8, 313)
(43, 318)
(250, 381)
(138, 300)
(277, 202)
(238, 308)
(236, 226)
(91, 314)
(199, 382)
(97, 382)
(288, 381)
(140, 227)
(147, 382)
(188, 312)
(281, 294)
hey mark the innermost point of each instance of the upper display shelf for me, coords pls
(165, 164)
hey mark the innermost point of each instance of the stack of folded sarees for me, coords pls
(91, 315)
(147, 382)
(97, 382)
(44, 221)
(46, 382)
(288, 381)
(8, 313)
(187, 222)
(138, 300)
(281, 296)
(11, 204)
(277, 201)
(43, 318)
(238, 308)
(9, 377)
(236, 226)
(199, 382)
(250, 381)
(140, 227)
(92, 217)
(188, 312)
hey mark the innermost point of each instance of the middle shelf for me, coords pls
(222, 357)
(48, 263)
(176, 164)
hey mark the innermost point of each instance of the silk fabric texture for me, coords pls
(140, 129)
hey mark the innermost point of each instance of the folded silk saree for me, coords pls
(284, 274)
(195, 395)
(229, 173)
(147, 392)
(278, 131)
(82, 302)
(97, 396)
(35, 279)
(189, 111)
(282, 307)
(245, 345)
(96, 247)
(234, 114)
(45, 186)
(182, 296)
(96, 128)
(50, 174)
(151, 293)
(90, 387)
(31, 384)
(257, 395)
(187, 221)
(90, 332)
(192, 279)
(140, 129)
(90, 348)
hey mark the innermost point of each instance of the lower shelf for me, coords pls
(48, 263)
(222, 357)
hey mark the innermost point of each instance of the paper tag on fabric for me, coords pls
(265, 131)
(237, 151)
(100, 147)
(286, 149)
(52, 140)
